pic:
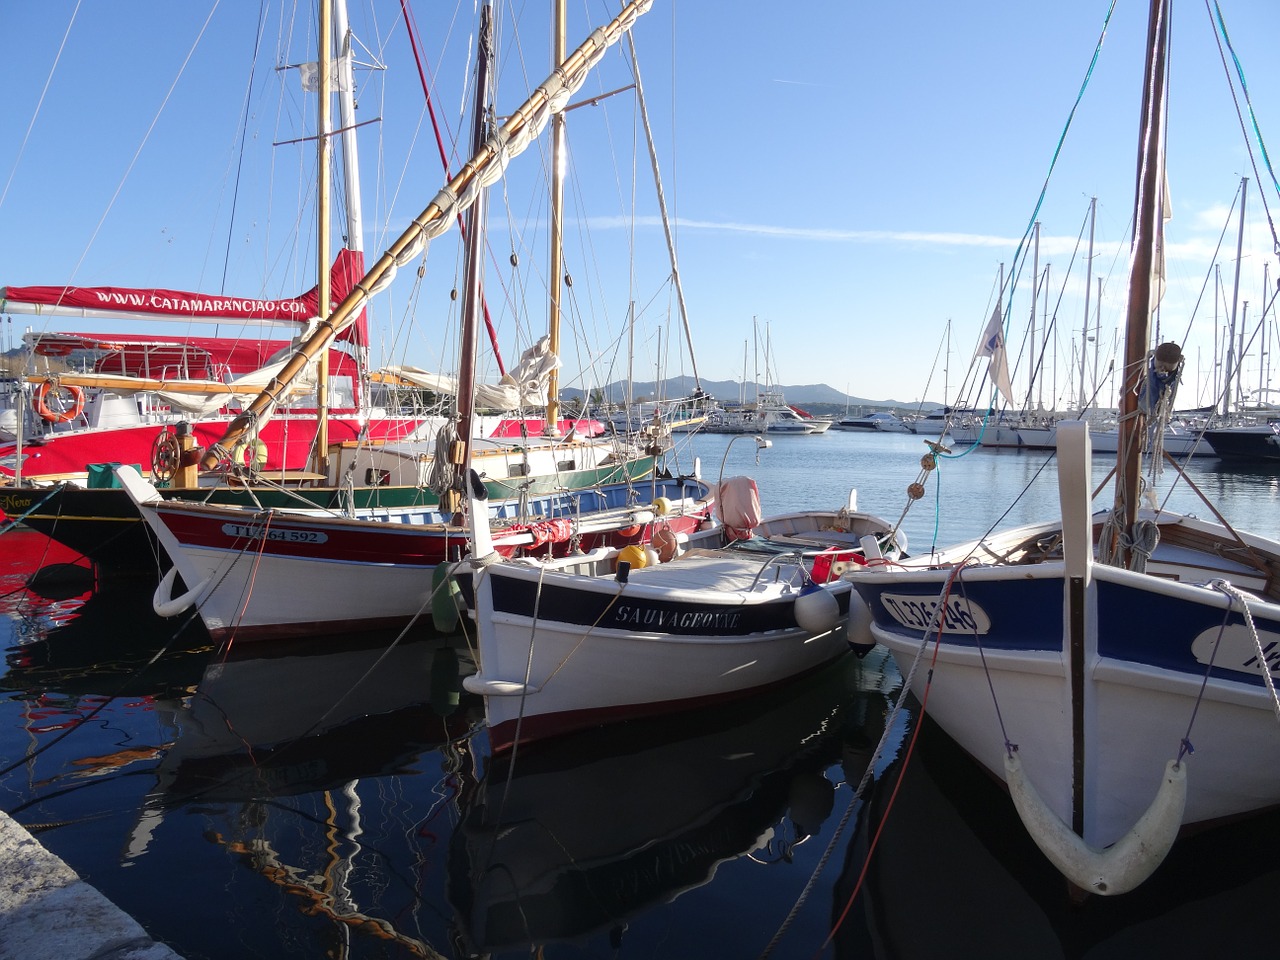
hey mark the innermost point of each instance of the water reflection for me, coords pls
(577, 836)
(951, 839)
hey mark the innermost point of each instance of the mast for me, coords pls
(1088, 284)
(473, 267)
(555, 274)
(1150, 177)
(521, 127)
(1235, 302)
(1044, 333)
(1035, 302)
(320, 456)
(354, 238)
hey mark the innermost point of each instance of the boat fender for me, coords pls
(446, 598)
(816, 609)
(256, 450)
(635, 555)
(661, 506)
(1120, 867)
(65, 415)
(651, 557)
(666, 544)
(165, 604)
(858, 629)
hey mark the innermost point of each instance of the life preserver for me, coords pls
(50, 388)
(257, 451)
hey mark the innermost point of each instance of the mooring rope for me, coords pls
(1234, 593)
(867, 776)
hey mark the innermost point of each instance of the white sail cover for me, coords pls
(523, 386)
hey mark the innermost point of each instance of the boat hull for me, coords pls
(1247, 443)
(271, 574)
(1148, 680)
(675, 636)
(104, 525)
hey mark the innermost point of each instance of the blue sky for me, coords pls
(849, 179)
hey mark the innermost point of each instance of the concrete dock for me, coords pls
(48, 913)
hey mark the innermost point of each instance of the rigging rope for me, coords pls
(1216, 15)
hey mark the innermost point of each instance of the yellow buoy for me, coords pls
(634, 555)
(662, 506)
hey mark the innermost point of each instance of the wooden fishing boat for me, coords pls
(1083, 661)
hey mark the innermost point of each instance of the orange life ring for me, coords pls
(66, 413)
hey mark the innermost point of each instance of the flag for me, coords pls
(309, 73)
(993, 346)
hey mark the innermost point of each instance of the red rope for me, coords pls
(902, 772)
(444, 161)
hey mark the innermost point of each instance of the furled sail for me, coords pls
(525, 385)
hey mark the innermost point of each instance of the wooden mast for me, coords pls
(516, 134)
(473, 271)
(555, 273)
(1150, 179)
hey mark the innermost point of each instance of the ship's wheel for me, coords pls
(165, 454)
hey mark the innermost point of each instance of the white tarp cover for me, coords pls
(522, 386)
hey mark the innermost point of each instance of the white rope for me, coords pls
(1238, 595)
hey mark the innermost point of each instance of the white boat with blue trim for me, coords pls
(1117, 670)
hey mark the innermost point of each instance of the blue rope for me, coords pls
(1057, 152)
(1244, 88)
(13, 523)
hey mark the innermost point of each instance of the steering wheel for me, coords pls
(165, 454)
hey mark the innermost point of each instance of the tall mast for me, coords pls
(473, 267)
(1088, 284)
(555, 274)
(354, 239)
(1044, 335)
(1035, 302)
(484, 167)
(323, 295)
(1150, 177)
(1235, 301)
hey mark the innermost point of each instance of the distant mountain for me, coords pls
(731, 391)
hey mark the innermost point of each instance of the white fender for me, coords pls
(478, 518)
(1127, 862)
(816, 609)
(163, 602)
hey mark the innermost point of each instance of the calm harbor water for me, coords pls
(337, 798)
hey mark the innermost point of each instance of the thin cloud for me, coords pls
(819, 233)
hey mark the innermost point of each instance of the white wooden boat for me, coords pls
(1116, 671)
(577, 642)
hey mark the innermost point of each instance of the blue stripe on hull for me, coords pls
(1022, 614)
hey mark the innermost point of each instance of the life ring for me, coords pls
(65, 413)
(256, 450)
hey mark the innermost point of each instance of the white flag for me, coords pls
(993, 346)
(309, 74)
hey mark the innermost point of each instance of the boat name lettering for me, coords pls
(14, 503)
(244, 531)
(959, 615)
(650, 617)
(1232, 648)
